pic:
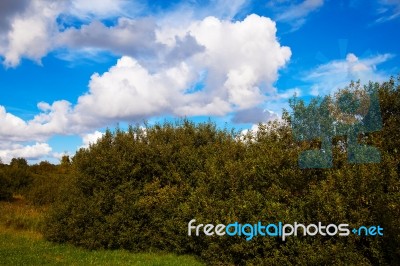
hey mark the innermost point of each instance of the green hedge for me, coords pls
(138, 189)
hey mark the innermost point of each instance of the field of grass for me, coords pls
(22, 244)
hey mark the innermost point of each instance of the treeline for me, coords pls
(39, 183)
(138, 189)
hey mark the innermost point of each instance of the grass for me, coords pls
(20, 249)
(20, 215)
(22, 244)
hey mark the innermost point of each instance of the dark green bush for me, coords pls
(14, 178)
(19, 174)
(138, 190)
(44, 189)
(5, 186)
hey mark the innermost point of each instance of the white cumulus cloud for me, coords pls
(29, 152)
(30, 33)
(241, 61)
(54, 119)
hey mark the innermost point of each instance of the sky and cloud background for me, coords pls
(70, 69)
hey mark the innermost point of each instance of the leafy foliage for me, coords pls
(14, 177)
(5, 186)
(138, 189)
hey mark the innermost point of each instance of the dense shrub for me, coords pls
(14, 178)
(5, 186)
(138, 190)
(18, 172)
(44, 189)
(47, 180)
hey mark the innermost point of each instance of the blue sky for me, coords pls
(70, 69)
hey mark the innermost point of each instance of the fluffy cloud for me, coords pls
(57, 118)
(241, 61)
(29, 152)
(128, 37)
(31, 29)
(30, 32)
(129, 92)
(337, 74)
(91, 138)
(239, 58)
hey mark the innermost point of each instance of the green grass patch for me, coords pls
(23, 249)
(21, 243)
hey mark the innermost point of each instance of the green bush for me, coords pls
(5, 186)
(14, 178)
(138, 190)
(44, 189)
